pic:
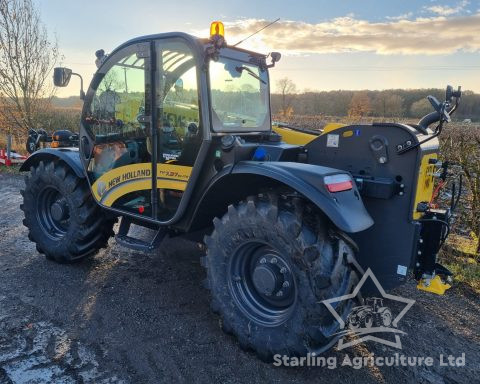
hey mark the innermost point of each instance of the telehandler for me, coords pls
(176, 135)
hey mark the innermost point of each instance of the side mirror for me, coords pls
(61, 76)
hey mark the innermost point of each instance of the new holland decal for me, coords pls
(135, 177)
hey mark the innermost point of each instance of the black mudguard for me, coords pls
(345, 209)
(68, 155)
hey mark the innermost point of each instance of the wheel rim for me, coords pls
(354, 322)
(262, 284)
(53, 213)
(387, 319)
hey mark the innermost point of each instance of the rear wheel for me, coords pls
(270, 262)
(60, 214)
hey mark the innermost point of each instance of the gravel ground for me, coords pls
(129, 317)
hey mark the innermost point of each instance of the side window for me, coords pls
(115, 117)
(120, 167)
(177, 102)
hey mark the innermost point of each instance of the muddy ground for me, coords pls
(129, 317)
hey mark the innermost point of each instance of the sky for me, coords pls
(325, 45)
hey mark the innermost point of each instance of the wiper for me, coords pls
(250, 72)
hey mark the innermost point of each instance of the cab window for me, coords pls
(239, 94)
(120, 164)
(115, 117)
(177, 103)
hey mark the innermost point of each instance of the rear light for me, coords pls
(338, 183)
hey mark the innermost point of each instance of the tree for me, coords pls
(388, 104)
(359, 105)
(287, 89)
(421, 108)
(27, 57)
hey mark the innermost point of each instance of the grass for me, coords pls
(460, 257)
(465, 270)
(463, 244)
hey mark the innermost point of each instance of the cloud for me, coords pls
(443, 10)
(401, 17)
(426, 36)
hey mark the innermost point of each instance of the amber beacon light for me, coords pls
(217, 29)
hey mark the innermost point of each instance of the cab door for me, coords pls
(116, 134)
(179, 126)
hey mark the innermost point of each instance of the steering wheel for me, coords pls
(441, 108)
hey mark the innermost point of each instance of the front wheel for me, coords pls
(387, 318)
(63, 220)
(270, 262)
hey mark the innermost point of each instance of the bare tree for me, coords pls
(359, 105)
(27, 56)
(287, 89)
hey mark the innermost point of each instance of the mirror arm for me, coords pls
(82, 93)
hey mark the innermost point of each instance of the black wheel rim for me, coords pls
(262, 283)
(53, 213)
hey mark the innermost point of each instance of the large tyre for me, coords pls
(270, 263)
(60, 214)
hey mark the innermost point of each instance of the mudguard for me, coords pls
(68, 155)
(345, 209)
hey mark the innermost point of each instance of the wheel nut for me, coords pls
(279, 293)
(263, 260)
(274, 260)
(283, 270)
(285, 284)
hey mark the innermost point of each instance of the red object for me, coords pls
(339, 187)
(141, 209)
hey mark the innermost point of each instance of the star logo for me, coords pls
(366, 320)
